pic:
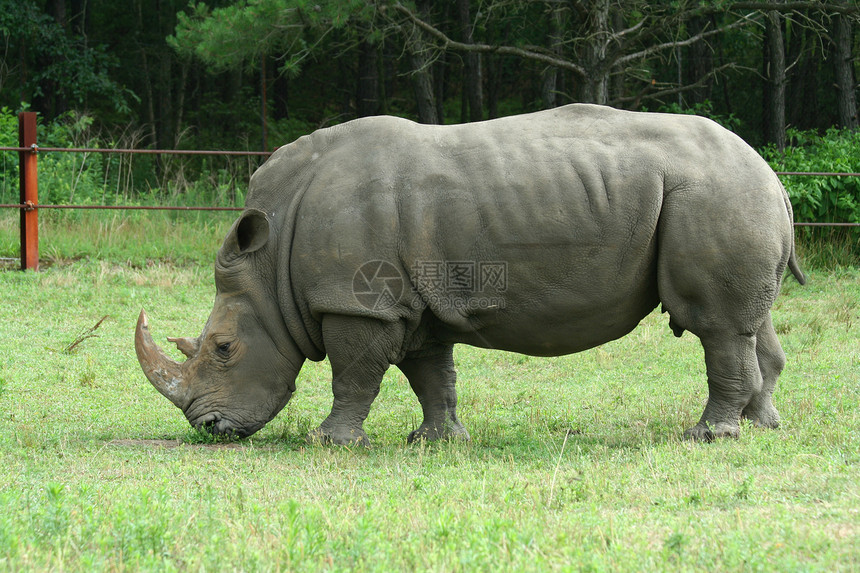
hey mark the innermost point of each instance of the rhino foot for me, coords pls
(703, 432)
(338, 436)
(450, 431)
(762, 416)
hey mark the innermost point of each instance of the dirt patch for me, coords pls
(14, 264)
(176, 444)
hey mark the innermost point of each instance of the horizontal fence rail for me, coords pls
(36, 149)
(33, 207)
(817, 173)
(29, 206)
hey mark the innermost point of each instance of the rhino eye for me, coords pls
(224, 348)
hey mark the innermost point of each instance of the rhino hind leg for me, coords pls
(733, 379)
(359, 350)
(432, 377)
(771, 360)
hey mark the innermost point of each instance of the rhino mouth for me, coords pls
(217, 425)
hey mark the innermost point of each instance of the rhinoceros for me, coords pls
(381, 241)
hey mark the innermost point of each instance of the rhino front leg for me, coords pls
(733, 379)
(432, 377)
(359, 351)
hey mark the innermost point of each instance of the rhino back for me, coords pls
(566, 202)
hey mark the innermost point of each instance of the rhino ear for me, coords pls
(249, 233)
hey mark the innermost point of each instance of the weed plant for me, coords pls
(576, 463)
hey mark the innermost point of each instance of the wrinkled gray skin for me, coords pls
(599, 215)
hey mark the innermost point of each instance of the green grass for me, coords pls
(576, 463)
(828, 248)
(134, 238)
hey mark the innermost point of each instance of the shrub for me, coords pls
(821, 199)
(63, 177)
(705, 109)
(119, 179)
(8, 159)
(70, 177)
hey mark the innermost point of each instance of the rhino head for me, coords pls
(240, 372)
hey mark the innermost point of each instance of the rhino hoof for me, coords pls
(703, 432)
(762, 417)
(426, 433)
(339, 437)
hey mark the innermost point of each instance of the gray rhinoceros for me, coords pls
(381, 241)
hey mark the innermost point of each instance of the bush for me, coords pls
(821, 199)
(119, 179)
(63, 177)
(705, 109)
(8, 159)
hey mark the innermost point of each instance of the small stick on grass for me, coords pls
(88, 333)
(558, 463)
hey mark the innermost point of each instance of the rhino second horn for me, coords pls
(188, 346)
(162, 372)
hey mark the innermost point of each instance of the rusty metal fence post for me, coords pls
(29, 191)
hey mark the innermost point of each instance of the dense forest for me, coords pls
(257, 74)
(253, 73)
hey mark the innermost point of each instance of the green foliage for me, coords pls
(9, 189)
(705, 109)
(212, 35)
(63, 177)
(110, 179)
(826, 198)
(56, 64)
(8, 127)
(70, 178)
(290, 30)
(136, 70)
(288, 130)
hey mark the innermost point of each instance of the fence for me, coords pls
(29, 206)
(28, 151)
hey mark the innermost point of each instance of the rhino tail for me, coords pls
(793, 265)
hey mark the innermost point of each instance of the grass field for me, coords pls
(576, 463)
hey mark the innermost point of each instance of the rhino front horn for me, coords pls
(164, 373)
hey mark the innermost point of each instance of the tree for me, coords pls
(49, 63)
(843, 37)
(421, 60)
(774, 63)
(631, 53)
(551, 75)
(591, 49)
(293, 32)
(134, 64)
(473, 78)
(368, 100)
(165, 76)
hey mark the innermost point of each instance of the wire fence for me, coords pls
(34, 148)
(29, 205)
(226, 153)
(34, 206)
